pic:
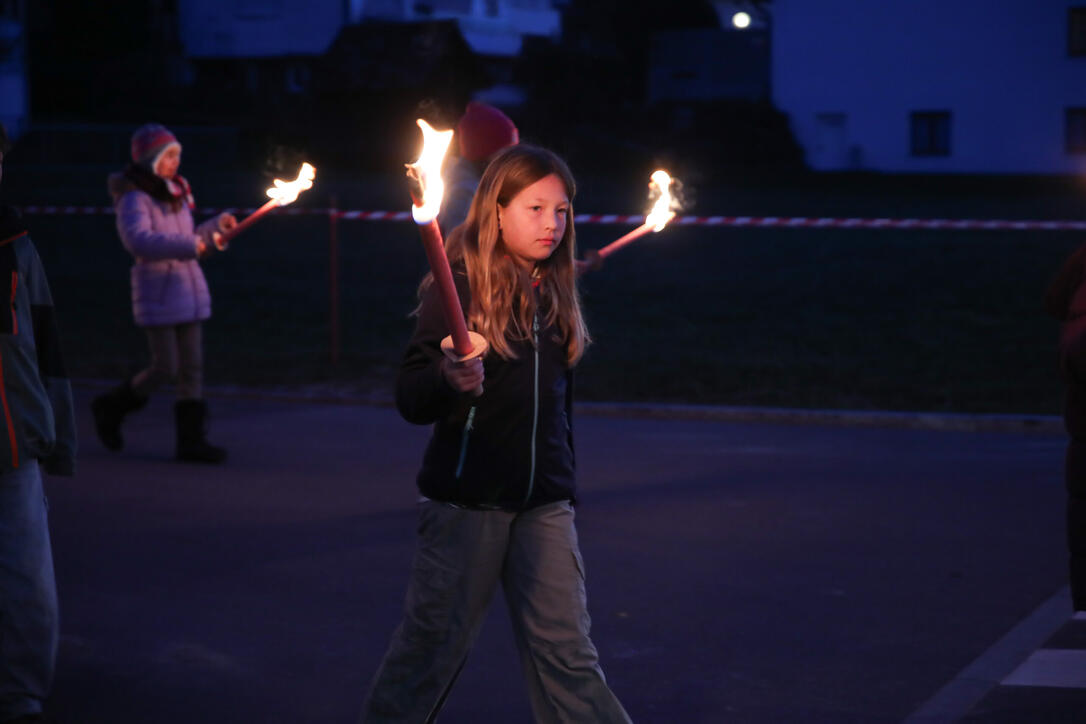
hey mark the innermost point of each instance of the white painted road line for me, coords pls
(1062, 668)
(954, 700)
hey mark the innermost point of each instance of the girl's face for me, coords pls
(168, 162)
(535, 220)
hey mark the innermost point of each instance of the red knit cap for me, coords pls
(483, 131)
(149, 141)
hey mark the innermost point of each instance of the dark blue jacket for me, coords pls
(37, 421)
(510, 448)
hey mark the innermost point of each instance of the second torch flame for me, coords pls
(655, 221)
(286, 192)
(661, 210)
(281, 194)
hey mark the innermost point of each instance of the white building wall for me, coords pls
(1001, 68)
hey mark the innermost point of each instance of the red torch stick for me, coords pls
(282, 193)
(246, 223)
(622, 241)
(439, 264)
(461, 345)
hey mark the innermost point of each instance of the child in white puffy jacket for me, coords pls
(170, 298)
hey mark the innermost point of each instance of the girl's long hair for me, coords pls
(503, 304)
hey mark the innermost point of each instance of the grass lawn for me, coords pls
(878, 319)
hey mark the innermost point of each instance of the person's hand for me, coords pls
(463, 376)
(226, 223)
(592, 262)
(202, 249)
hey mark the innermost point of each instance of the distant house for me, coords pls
(258, 28)
(492, 28)
(281, 38)
(14, 93)
(972, 86)
(381, 56)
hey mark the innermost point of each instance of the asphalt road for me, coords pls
(736, 572)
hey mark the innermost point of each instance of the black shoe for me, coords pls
(109, 412)
(192, 444)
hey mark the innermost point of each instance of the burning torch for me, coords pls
(657, 219)
(461, 345)
(283, 193)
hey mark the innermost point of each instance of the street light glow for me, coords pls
(741, 20)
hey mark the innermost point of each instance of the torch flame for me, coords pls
(661, 210)
(427, 171)
(286, 192)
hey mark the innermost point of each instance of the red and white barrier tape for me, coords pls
(793, 222)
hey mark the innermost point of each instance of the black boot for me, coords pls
(109, 411)
(192, 444)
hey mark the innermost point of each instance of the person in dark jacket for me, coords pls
(170, 298)
(1066, 301)
(38, 430)
(497, 477)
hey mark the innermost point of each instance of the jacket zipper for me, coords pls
(535, 403)
(7, 418)
(464, 441)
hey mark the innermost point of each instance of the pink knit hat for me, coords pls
(483, 131)
(149, 142)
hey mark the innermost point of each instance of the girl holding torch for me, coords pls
(169, 293)
(498, 474)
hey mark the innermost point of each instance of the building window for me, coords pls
(1076, 31)
(1075, 130)
(930, 133)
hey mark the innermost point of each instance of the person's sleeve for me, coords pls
(1073, 356)
(460, 186)
(423, 395)
(1061, 291)
(51, 370)
(140, 238)
(454, 209)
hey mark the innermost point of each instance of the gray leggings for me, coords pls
(176, 356)
(461, 557)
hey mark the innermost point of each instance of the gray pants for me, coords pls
(29, 630)
(461, 557)
(176, 356)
